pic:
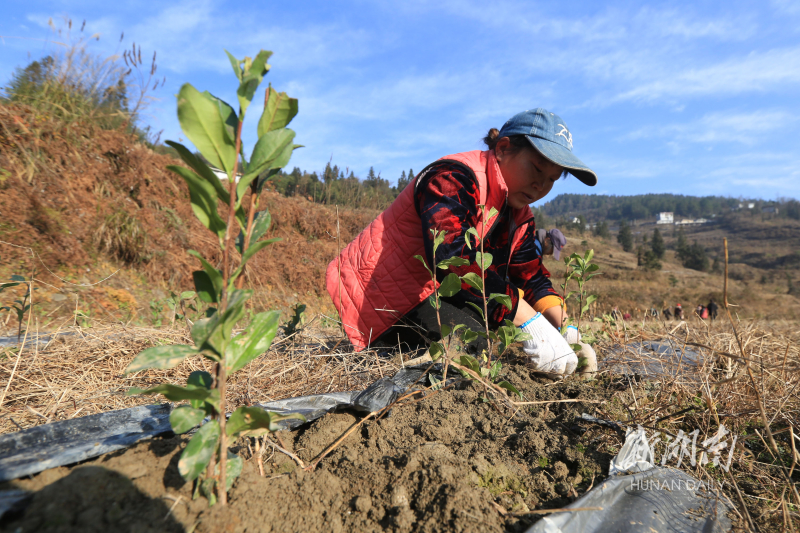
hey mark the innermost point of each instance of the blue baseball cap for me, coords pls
(549, 134)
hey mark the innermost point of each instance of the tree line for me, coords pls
(647, 206)
(337, 186)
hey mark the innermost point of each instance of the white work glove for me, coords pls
(549, 351)
(572, 335)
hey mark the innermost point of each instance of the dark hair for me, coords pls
(518, 142)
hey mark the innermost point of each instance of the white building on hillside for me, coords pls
(665, 218)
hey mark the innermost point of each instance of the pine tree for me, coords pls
(695, 257)
(657, 244)
(625, 236)
(372, 179)
(402, 182)
(601, 230)
(682, 246)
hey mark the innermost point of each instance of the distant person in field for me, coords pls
(678, 312)
(550, 242)
(385, 291)
(712, 309)
(667, 314)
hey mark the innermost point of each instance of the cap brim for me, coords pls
(564, 158)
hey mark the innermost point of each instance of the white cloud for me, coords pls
(755, 72)
(722, 127)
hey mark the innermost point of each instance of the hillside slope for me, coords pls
(91, 202)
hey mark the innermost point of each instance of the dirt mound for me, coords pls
(448, 462)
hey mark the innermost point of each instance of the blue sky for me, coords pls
(692, 98)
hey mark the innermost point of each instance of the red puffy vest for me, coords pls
(376, 279)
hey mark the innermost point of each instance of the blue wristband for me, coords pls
(572, 327)
(537, 315)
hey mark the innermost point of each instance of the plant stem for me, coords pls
(483, 290)
(439, 319)
(222, 489)
(250, 216)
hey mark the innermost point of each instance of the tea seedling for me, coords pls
(216, 131)
(21, 305)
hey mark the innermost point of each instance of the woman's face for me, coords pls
(529, 176)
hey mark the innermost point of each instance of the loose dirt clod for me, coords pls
(441, 464)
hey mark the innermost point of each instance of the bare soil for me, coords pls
(450, 462)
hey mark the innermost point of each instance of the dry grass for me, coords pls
(763, 476)
(81, 373)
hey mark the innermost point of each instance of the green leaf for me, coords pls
(424, 263)
(491, 214)
(248, 420)
(264, 178)
(228, 116)
(203, 197)
(495, 370)
(201, 378)
(236, 64)
(261, 223)
(254, 248)
(204, 125)
(510, 388)
(452, 261)
(502, 298)
(213, 274)
(161, 357)
(478, 309)
(450, 285)
(474, 233)
(208, 489)
(436, 350)
(473, 280)
(279, 110)
(206, 290)
(214, 333)
(471, 363)
(233, 468)
(188, 295)
(185, 418)
(446, 330)
(468, 336)
(198, 452)
(589, 255)
(269, 152)
(202, 170)
(254, 72)
(589, 301)
(483, 260)
(255, 341)
(176, 393)
(17, 277)
(592, 268)
(438, 237)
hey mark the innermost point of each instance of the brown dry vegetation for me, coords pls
(86, 198)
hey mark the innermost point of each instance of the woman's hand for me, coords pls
(548, 350)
